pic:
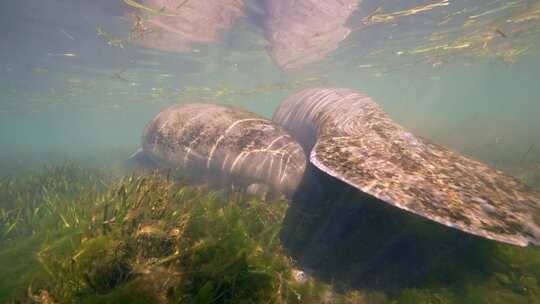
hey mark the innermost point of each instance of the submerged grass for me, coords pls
(71, 235)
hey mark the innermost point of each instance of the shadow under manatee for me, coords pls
(353, 240)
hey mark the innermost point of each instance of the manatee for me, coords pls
(347, 135)
(175, 25)
(300, 32)
(305, 31)
(223, 145)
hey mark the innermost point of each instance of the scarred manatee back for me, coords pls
(225, 145)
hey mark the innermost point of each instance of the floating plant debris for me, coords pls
(390, 17)
(159, 12)
(111, 40)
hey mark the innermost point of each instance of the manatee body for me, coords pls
(304, 31)
(224, 145)
(175, 25)
(300, 32)
(348, 136)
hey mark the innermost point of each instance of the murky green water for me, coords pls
(462, 73)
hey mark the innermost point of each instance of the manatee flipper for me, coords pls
(357, 143)
(140, 161)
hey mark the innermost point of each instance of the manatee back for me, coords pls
(224, 145)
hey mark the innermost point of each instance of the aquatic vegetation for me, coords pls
(143, 238)
(76, 235)
(31, 203)
(70, 234)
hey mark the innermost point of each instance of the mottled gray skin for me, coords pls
(184, 23)
(305, 31)
(348, 136)
(224, 146)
